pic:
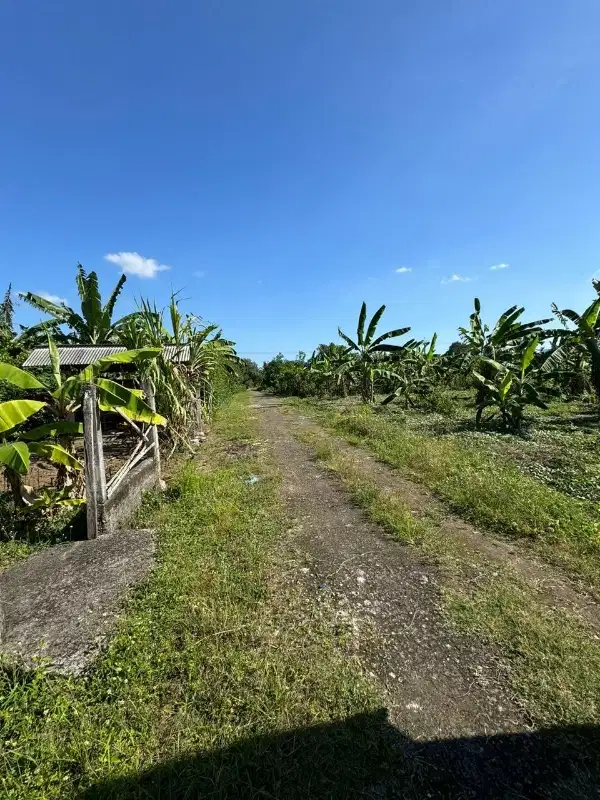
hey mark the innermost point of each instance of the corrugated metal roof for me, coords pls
(82, 356)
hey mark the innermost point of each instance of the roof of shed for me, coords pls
(82, 356)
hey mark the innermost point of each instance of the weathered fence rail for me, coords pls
(99, 492)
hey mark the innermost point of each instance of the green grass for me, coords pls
(554, 658)
(485, 489)
(217, 656)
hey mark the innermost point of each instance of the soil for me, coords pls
(458, 730)
(554, 586)
(439, 682)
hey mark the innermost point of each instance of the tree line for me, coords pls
(509, 364)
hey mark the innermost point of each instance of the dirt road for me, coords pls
(440, 684)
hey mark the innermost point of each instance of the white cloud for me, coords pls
(135, 264)
(402, 270)
(494, 267)
(53, 298)
(199, 273)
(454, 278)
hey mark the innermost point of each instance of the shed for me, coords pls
(82, 356)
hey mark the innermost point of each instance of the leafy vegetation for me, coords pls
(213, 653)
(186, 363)
(64, 398)
(367, 351)
(487, 490)
(555, 656)
(94, 325)
(510, 391)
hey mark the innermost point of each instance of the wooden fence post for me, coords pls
(90, 437)
(149, 391)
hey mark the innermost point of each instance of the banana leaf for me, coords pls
(13, 412)
(19, 377)
(15, 456)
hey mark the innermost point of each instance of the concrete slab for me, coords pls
(62, 603)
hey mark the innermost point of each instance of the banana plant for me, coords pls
(511, 391)
(506, 334)
(94, 325)
(368, 350)
(501, 343)
(17, 447)
(584, 338)
(64, 398)
(333, 361)
(416, 371)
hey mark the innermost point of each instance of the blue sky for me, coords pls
(284, 159)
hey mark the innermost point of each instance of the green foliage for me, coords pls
(63, 399)
(14, 412)
(291, 377)
(209, 654)
(509, 390)
(180, 385)
(369, 353)
(416, 371)
(11, 351)
(571, 345)
(94, 325)
(249, 374)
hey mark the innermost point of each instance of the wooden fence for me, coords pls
(97, 490)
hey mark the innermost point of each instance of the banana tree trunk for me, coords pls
(64, 475)
(16, 487)
(594, 351)
(367, 386)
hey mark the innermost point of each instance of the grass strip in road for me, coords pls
(553, 658)
(216, 659)
(482, 489)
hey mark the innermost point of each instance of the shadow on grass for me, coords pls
(33, 526)
(365, 757)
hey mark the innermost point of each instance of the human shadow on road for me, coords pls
(366, 757)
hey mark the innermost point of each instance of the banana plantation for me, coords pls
(500, 369)
(152, 369)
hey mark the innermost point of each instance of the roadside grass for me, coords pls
(216, 651)
(553, 657)
(483, 488)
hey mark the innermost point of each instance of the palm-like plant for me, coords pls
(582, 339)
(367, 351)
(63, 398)
(511, 390)
(333, 361)
(17, 447)
(501, 340)
(179, 386)
(416, 371)
(94, 325)
(501, 343)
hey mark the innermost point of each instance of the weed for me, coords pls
(554, 658)
(481, 486)
(214, 650)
